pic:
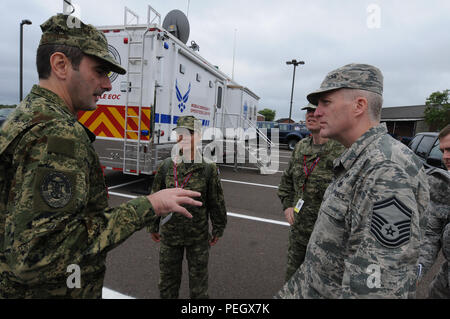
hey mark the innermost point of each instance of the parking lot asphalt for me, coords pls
(247, 263)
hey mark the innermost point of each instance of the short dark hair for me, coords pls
(44, 53)
(445, 131)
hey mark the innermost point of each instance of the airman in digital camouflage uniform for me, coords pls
(437, 234)
(178, 235)
(366, 240)
(309, 173)
(53, 200)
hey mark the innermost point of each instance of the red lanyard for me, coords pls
(175, 177)
(308, 171)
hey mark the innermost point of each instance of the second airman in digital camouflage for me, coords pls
(437, 232)
(177, 234)
(367, 237)
(54, 213)
(302, 187)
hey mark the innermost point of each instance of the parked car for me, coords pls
(405, 139)
(289, 134)
(426, 147)
(4, 115)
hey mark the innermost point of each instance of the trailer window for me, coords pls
(219, 97)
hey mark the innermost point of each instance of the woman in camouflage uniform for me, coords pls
(178, 234)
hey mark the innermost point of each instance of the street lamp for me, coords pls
(295, 63)
(21, 56)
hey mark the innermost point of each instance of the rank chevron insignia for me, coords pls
(391, 223)
(182, 99)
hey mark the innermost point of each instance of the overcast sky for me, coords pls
(407, 39)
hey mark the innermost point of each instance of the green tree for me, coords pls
(268, 114)
(437, 112)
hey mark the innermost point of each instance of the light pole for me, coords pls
(21, 57)
(295, 63)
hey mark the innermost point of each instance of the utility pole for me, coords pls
(295, 63)
(21, 58)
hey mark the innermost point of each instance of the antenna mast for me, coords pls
(234, 54)
(187, 13)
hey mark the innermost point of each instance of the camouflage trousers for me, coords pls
(170, 265)
(296, 251)
(440, 287)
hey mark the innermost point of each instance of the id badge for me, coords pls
(299, 205)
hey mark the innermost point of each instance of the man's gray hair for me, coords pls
(374, 102)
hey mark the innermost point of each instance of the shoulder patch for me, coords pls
(54, 189)
(391, 223)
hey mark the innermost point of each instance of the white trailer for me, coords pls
(165, 79)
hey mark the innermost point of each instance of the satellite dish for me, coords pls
(177, 24)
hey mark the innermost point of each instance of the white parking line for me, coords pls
(122, 195)
(223, 180)
(246, 167)
(111, 294)
(264, 220)
(126, 184)
(246, 183)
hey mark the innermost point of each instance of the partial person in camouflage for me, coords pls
(177, 234)
(444, 145)
(53, 199)
(366, 240)
(304, 182)
(437, 233)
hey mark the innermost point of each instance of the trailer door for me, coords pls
(219, 106)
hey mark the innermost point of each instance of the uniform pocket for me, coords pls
(335, 204)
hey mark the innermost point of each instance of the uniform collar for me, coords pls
(325, 147)
(186, 168)
(348, 158)
(52, 97)
(55, 99)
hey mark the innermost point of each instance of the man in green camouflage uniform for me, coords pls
(366, 240)
(307, 177)
(53, 200)
(437, 233)
(176, 234)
